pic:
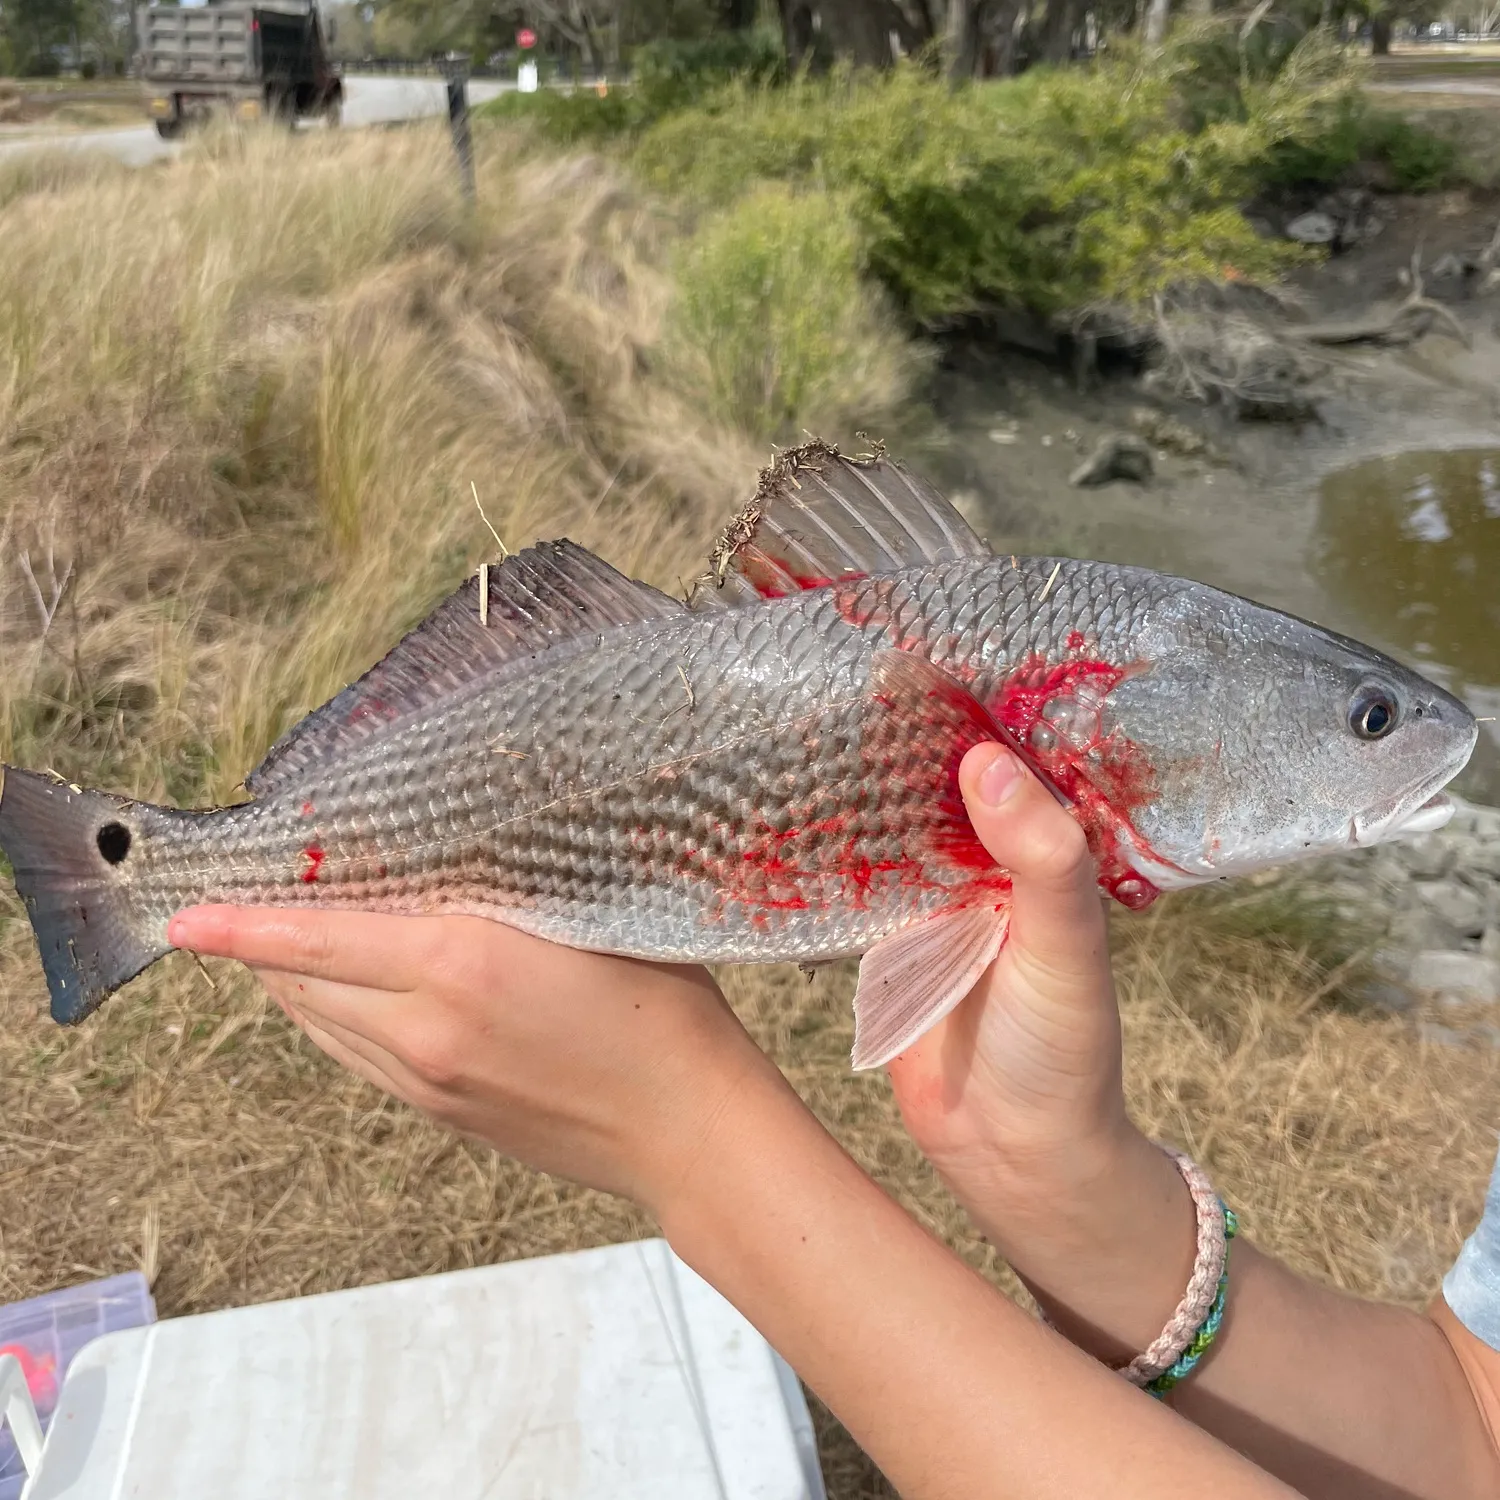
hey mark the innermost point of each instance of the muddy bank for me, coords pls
(1245, 512)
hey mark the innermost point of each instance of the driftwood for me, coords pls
(1404, 324)
(1209, 355)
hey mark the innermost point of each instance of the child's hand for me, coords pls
(606, 1070)
(1020, 1086)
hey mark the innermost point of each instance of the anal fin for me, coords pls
(909, 982)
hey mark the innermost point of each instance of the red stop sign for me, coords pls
(526, 39)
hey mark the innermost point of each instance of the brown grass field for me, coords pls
(243, 400)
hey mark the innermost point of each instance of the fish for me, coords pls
(767, 769)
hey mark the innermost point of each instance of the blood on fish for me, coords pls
(815, 864)
(308, 809)
(914, 833)
(770, 584)
(372, 707)
(314, 856)
(1076, 640)
(1106, 777)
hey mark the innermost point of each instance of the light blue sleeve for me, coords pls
(1472, 1287)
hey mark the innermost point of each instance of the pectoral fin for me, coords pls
(909, 982)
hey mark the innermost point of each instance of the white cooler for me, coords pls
(614, 1374)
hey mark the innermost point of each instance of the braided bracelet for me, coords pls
(1195, 1323)
(1187, 1362)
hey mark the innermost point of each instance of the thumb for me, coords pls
(1057, 916)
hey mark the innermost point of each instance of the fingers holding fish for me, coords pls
(346, 1047)
(346, 947)
(1056, 914)
(1022, 1081)
(606, 1070)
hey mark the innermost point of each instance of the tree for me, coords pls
(857, 31)
(1382, 16)
(1157, 12)
(42, 35)
(964, 36)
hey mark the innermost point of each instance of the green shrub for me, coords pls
(1323, 155)
(773, 324)
(1416, 159)
(1056, 190)
(582, 117)
(669, 77)
(1419, 160)
(1219, 74)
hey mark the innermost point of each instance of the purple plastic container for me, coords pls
(45, 1332)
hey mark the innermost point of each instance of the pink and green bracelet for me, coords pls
(1195, 1324)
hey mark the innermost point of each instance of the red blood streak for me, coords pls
(314, 855)
(372, 707)
(769, 575)
(917, 834)
(911, 834)
(1105, 776)
(308, 809)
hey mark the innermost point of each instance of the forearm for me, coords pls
(1339, 1397)
(952, 1390)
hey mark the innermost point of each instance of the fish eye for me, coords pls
(1372, 714)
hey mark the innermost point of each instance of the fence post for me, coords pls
(455, 68)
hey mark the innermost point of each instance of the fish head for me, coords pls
(1264, 739)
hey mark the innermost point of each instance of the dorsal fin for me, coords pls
(818, 516)
(537, 599)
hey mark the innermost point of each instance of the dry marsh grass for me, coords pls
(243, 401)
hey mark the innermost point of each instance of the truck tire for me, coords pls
(169, 130)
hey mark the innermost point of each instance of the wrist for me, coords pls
(1106, 1244)
(1048, 1187)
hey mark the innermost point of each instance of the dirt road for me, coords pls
(367, 101)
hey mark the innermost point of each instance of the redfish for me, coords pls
(768, 770)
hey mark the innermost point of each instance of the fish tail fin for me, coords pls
(69, 850)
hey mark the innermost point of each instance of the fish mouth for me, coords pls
(1380, 826)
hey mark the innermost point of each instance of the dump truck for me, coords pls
(258, 61)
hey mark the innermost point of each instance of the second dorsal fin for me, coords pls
(536, 599)
(818, 516)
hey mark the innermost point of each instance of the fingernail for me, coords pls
(1000, 779)
(183, 930)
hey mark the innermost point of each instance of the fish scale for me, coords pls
(768, 772)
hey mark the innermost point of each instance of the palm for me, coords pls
(1029, 1061)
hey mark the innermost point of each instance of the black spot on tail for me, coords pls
(114, 842)
(68, 850)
